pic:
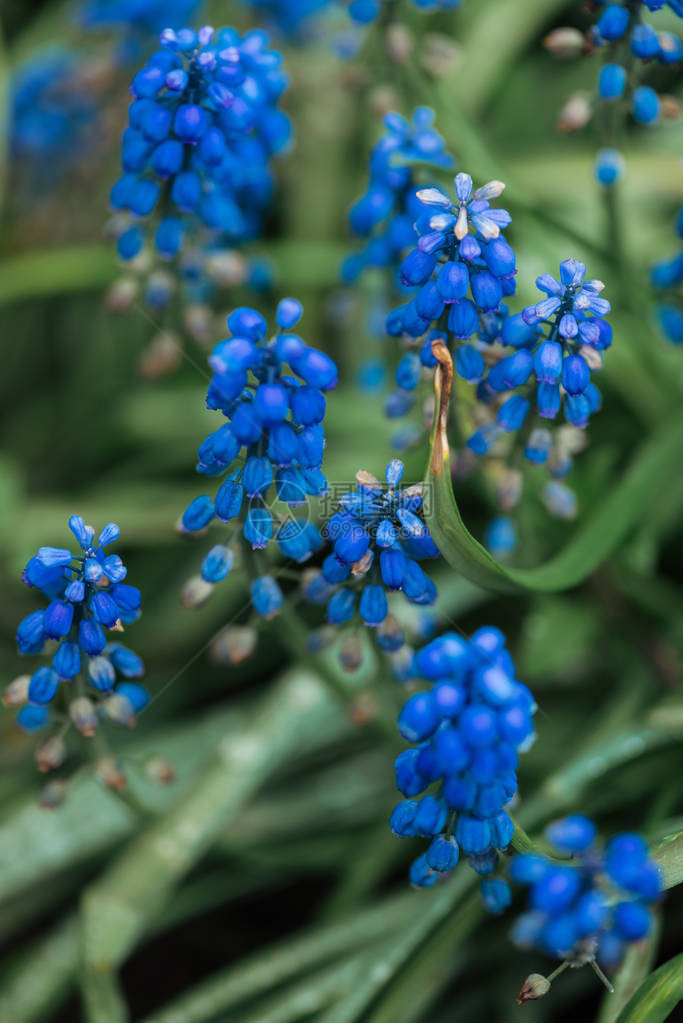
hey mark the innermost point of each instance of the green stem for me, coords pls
(292, 634)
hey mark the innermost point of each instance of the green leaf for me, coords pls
(79, 268)
(118, 908)
(504, 29)
(34, 985)
(604, 529)
(658, 996)
(635, 967)
(669, 856)
(289, 959)
(103, 998)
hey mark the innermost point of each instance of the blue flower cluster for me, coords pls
(460, 251)
(366, 11)
(378, 541)
(278, 419)
(667, 277)
(202, 127)
(618, 21)
(385, 214)
(463, 268)
(615, 24)
(469, 728)
(595, 905)
(143, 15)
(558, 342)
(50, 114)
(87, 595)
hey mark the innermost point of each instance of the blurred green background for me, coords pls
(268, 866)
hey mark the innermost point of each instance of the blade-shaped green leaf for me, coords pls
(119, 907)
(658, 996)
(636, 966)
(623, 506)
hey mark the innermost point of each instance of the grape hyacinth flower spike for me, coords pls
(276, 416)
(378, 541)
(629, 44)
(593, 906)
(557, 343)
(386, 212)
(469, 728)
(87, 597)
(462, 268)
(202, 128)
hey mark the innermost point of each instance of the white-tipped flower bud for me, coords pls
(400, 43)
(162, 355)
(565, 42)
(576, 113)
(16, 693)
(121, 295)
(196, 592)
(198, 322)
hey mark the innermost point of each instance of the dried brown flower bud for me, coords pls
(110, 772)
(234, 645)
(51, 753)
(84, 716)
(53, 794)
(535, 986)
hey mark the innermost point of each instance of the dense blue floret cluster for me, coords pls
(618, 21)
(469, 728)
(87, 597)
(50, 114)
(463, 268)
(595, 905)
(366, 11)
(202, 128)
(557, 342)
(378, 541)
(460, 251)
(143, 15)
(667, 277)
(277, 418)
(385, 214)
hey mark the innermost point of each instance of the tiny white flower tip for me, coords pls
(433, 197)
(486, 227)
(491, 190)
(461, 226)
